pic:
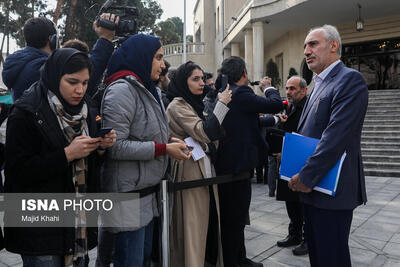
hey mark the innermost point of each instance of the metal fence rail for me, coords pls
(170, 187)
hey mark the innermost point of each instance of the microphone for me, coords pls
(254, 83)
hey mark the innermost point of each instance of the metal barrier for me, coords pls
(165, 223)
(170, 187)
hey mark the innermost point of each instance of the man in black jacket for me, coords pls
(163, 83)
(22, 68)
(296, 90)
(239, 152)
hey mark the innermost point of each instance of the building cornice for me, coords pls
(249, 14)
(195, 6)
(239, 18)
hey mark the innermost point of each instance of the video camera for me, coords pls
(125, 28)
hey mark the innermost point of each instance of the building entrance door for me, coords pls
(378, 61)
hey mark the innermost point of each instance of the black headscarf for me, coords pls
(178, 87)
(52, 72)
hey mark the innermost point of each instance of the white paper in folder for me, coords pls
(197, 152)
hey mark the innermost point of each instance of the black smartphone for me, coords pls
(103, 131)
(224, 82)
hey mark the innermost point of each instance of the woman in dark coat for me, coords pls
(49, 150)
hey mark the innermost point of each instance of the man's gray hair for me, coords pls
(331, 33)
(302, 83)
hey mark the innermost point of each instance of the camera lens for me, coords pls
(126, 27)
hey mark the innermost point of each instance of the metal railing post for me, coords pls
(165, 223)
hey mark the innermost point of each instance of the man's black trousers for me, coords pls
(328, 236)
(295, 212)
(234, 201)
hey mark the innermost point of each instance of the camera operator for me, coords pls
(22, 68)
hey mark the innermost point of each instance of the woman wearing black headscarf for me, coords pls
(49, 150)
(192, 207)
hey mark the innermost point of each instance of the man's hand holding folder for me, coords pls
(296, 185)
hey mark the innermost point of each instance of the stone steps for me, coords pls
(380, 158)
(381, 145)
(367, 150)
(380, 140)
(383, 101)
(383, 134)
(382, 94)
(379, 119)
(383, 165)
(385, 127)
(381, 172)
(388, 112)
(393, 97)
(382, 114)
(383, 106)
(386, 92)
(380, 123)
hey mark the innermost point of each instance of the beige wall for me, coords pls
(209, 25)
(198, 16)
(291, 46)
(204, 19)
(218, 36)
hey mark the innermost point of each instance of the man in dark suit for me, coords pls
(296, 90)
(239, 152)
(334, 113)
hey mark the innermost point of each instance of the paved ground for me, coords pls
(374, 239)
(375, 232)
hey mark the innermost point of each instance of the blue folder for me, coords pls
(295, 152)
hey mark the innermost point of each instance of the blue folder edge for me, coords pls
(337, 168)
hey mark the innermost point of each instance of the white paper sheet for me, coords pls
(198, 151)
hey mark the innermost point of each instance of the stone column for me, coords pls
(235, 49)
(248, 51)
(227, 52)
(258, 50)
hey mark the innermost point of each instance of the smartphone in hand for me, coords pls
(103, 131)
(224, 82)
(186, 151)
